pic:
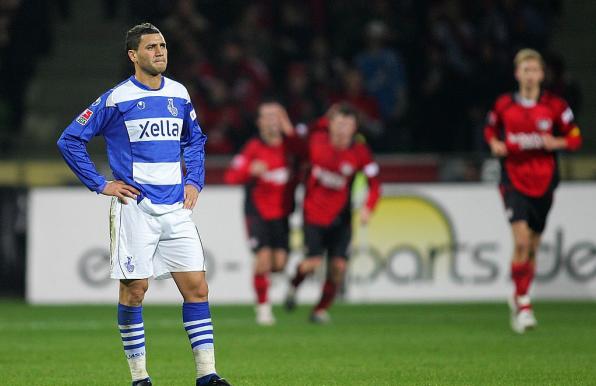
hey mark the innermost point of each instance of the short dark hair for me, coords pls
(345, 108)
(133, 36)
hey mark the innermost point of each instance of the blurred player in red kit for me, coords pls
(526, 129)
(335, 156)
(265, 167)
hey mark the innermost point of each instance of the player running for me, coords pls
(335, 156)
(526, 129)
(150, 127)
(265, 165)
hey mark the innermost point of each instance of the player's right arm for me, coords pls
(492, 131)
(244, 166)
(73, 146)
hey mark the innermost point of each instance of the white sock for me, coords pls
(138, 368)
(205, 361)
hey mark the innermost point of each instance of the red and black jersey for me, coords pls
(528, 167)
(271, 194)
(329, 183)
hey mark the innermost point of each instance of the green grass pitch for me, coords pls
(455, 344)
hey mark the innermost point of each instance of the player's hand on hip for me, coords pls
(498, 148)
(121, 190)
(191, 195)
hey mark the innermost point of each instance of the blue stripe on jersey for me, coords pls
(152, 107)
(138, 123)
(156, 151)
(164, 194)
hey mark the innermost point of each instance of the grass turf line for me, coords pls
(431, 344)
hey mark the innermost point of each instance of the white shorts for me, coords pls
(144, 245)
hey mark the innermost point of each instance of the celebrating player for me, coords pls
(265, 167)
(526, 129)
(334, 156)
(150, 126)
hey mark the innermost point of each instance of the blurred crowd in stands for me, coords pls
(422, 73)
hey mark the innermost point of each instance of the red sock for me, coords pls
(528, 277)
(299, 278)
(329, 290)
(518, 272)
(522, 275)
(261, 284)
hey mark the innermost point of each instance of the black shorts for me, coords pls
(533, 210)
(267, 233)
(333, 239)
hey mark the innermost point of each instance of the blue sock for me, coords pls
(132, 333)
(197, 323)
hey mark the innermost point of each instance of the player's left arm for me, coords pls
(371, 169)
(192, 143)
(569, 135)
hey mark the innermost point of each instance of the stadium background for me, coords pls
(440, 234)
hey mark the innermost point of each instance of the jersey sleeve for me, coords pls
(73, 142)
(371, 170)
(565, 122)
(493, 125)
(238, 171)
(192, 143)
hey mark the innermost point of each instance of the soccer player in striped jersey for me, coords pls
(526, 129)
(265, 167)
(150, 127)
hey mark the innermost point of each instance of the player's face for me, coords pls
(152, 54)
(529, 74)
(269, 123)
(342, 129)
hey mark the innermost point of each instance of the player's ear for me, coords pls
(132, 55)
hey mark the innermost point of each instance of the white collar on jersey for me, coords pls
(525, 102)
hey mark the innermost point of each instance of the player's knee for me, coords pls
(134, 295)
(203, 292)
(339, 265)
(279, 261)
(522, 249)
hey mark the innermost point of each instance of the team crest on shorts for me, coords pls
(130, 267)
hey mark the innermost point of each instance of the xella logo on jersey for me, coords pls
(84, 117)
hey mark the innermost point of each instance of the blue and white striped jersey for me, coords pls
(147, 133)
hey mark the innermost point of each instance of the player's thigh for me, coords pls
(180, 248)
(279, 231)
(517, 205)
(258, 232)
(339, 238)
(134, 236)
(539, 208)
